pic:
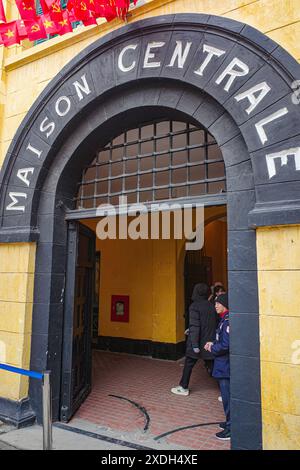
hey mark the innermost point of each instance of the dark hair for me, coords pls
(218, 289)
(200, 290)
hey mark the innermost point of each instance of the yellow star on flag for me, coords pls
(9, 33)
(63, 23)
(48, 24)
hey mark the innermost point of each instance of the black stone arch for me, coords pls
(252, 198)
(154, 99)
(266, 60)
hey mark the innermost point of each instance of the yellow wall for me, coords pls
(216, 248)
(146, 271)
(16, 296)
(279, 282)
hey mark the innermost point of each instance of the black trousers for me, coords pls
(187, 371)
(209, 365)
(225, 392)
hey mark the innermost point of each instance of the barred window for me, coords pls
(153, 162)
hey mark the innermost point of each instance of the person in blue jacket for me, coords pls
(221, 371)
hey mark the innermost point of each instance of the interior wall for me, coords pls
(151, 272)
(146, 271)
(216, 248)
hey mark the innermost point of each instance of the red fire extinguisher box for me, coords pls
(120, 308)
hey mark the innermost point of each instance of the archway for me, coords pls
(215, 72)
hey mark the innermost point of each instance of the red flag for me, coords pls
(35, 29)
(49, 3)
(55, 10)
(72, 18)
(91, 4)
(122, 3)
(91, 20)
(65, 24)
(27, 9)
(2, 12)
(81, 10)
(44, 6)
(99, 9)
(122, 7)
(51, 27)
(22, 31)
(110, 13)
(106, 9)
(9, 33)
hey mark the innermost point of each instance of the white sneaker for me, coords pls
(180, 391)
(220, 399)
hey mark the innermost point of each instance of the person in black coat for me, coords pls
(202, 329)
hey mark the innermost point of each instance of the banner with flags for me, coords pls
(9, 33)
(55, 10)
(2, 13)
(51, 26)
(22, 31)
(26, 9)
(43, 18)
(65, 25)
(35, 29)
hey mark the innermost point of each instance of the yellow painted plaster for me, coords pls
(278, 254)
(17, 262)
(281, 431)
(280, 387)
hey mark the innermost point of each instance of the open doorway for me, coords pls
(152, 282)
(143, 355)
(142, 286)
(209, 264)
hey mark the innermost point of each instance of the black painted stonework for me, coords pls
(114, 99)
(19, 414)
(168, 351)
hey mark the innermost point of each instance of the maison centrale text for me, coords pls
(127, 61)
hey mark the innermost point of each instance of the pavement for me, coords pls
(81, 435)
(4, 428)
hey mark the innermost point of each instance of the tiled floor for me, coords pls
(147, 382)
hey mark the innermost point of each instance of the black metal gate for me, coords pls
(79, 293)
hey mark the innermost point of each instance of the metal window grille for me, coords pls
(153, 162)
